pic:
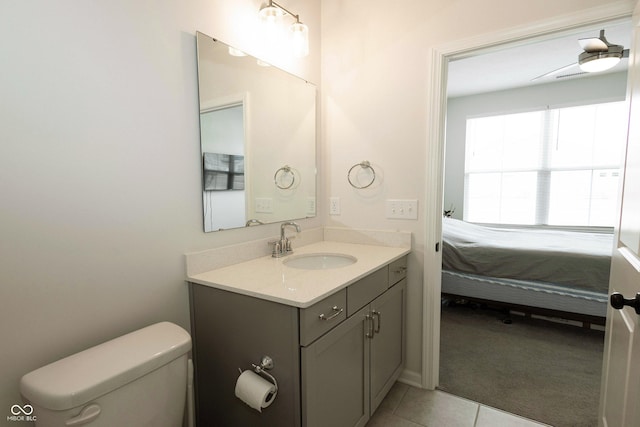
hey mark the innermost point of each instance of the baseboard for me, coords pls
(411, 378)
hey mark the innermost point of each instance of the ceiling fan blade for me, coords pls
(593, 44)
(554, 72)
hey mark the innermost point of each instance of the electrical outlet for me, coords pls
(402, 209)
(334, 205)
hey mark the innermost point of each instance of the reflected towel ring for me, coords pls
(283, 171)
(364, 165)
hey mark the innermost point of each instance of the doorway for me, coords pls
(441, 59)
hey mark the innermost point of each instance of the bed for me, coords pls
(562, 273)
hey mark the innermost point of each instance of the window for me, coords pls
(552, 167)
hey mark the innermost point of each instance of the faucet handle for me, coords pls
(288, 249)
(277, 248)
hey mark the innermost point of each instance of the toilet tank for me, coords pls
(138, 379)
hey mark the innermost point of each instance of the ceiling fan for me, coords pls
(598, 55)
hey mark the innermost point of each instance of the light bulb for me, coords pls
(600, 64)
(300, 39)
(236, 52)
(270, 13)
(271, 28)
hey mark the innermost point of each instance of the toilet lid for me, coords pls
(81, 377)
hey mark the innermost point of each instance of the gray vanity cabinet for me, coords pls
(335, 376)
(347, 372)
(334, 361)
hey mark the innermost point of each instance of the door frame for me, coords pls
(437, 107)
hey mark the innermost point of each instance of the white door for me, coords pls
(620, 395)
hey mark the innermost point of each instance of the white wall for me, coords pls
(100, 167)
(602, 88)
(375, 83)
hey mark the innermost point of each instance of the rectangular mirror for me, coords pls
(257, 140)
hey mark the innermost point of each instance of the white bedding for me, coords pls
(579, 259)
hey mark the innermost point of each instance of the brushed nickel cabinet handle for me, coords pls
(369, 320)
(377, 314)
(336, 313)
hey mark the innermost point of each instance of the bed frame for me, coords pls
(529, 297)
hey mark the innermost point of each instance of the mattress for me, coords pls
(577, 259)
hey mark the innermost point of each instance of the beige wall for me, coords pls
(99, 149)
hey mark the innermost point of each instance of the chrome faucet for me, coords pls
(283, 247)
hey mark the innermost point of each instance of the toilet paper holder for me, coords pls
(266, 363)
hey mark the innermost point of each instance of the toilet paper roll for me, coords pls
(255, 391)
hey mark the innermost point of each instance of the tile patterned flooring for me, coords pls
(407, 406)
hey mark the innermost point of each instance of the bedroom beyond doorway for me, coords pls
(526, 176)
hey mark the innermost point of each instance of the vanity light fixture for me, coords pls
(271, 14)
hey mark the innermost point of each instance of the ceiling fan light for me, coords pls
(598, 61)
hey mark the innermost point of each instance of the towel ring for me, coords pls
(364, 165)
(283, 171)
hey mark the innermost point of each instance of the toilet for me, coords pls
(138, 379)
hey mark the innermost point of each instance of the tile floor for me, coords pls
(407, 406)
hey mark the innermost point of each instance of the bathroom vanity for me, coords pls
(335, 335)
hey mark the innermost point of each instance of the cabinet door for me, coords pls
(335, 376)
(387, 345)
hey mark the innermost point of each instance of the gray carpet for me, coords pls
(544, 371)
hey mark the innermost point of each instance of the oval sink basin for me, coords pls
(319, 261)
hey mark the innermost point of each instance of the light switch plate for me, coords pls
(402, 209)
(311, 206)
(334, 205)
(264, 205)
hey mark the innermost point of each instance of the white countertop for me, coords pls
(268, 278)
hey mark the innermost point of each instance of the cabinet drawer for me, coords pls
(366, 290)
(322, 316)
(397, 270)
